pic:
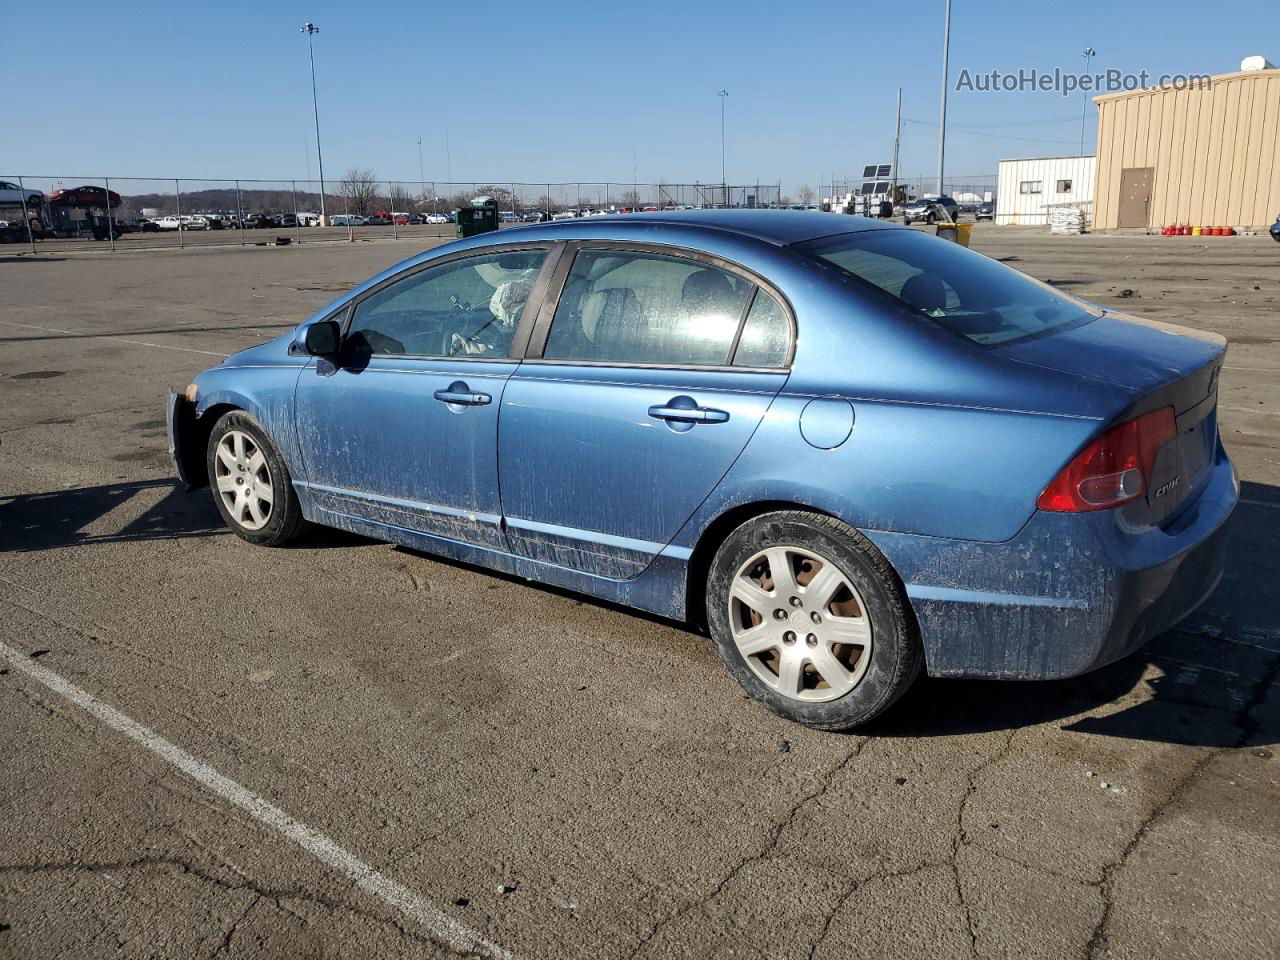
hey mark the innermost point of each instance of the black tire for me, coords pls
(896, 655)
(930, 219)
(284, 520)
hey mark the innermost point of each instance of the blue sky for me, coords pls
(567, 91)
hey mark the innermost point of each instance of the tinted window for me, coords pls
(765, 336)
(625, 307)
(464, 308)
(960, 290)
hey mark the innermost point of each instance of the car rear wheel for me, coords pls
(810, 619)
(250, 482)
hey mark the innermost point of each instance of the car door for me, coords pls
(400, 430)
(645, 378)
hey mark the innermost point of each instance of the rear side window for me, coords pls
(765, 336)
(628, 307)
(959, 290)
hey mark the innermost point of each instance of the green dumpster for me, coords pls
(479, 216)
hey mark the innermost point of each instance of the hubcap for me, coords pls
(800, 624)
(243, 480)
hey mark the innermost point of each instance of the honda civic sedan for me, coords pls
(847, 450)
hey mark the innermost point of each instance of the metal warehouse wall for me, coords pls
(1212, 154)
(1013, 206)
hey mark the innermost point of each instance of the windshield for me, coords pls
(959, 290)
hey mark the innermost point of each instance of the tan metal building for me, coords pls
(1208, 156)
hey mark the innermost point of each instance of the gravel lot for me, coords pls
(429, 756)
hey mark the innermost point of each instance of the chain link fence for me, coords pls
(68, 212)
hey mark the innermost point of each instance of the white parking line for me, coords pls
(445, 928)
(111, 336)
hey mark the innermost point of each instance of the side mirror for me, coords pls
(322, 338)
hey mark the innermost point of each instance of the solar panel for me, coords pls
(883, 170)
(869, 171)
(868, 188)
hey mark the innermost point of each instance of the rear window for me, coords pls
(959, 290)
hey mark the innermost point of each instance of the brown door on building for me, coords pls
(1135, 197)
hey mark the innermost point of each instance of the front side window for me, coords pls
(466, 308)
(1030, 186)
(957, 289)
(626, 307)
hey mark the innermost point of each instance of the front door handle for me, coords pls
(685, 410)
(459, 393)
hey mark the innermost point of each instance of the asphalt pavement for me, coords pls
(348, 749)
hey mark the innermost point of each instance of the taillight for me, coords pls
(1113, 469)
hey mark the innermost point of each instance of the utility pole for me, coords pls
(724, 183)
(1089, 53)
(448, 157)
(897, 140)
(942, 117)
(310, 29)
(422, 179)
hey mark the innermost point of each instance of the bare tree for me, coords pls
(402, 200)
(502, 195)
(359, 186)
(631, 199)
(806, 194)
(544, 202)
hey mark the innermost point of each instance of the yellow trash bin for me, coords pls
(955, 232)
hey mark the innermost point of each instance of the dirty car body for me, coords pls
(898, 402)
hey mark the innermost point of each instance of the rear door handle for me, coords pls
(674, 410)
(459, 393)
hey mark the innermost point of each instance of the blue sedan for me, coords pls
(848, 450)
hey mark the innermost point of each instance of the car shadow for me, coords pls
(59, 518)
(1209, 686)
(32, 258)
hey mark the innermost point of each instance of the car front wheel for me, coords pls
(250, 482)
(810, 619)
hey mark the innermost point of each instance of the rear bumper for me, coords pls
(1070, 593)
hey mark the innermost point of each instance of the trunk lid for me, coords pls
(1156, 365)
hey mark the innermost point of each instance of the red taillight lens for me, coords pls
(1114, 468)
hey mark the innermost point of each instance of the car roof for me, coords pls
(778, 227)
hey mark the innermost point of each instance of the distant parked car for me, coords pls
(926, 209)
(377, 220)
(258, 220)
(437, 218)
(1275, 230)
(147, 225)
(286, 220)
(168, 223)
(308, 219)
(346, 220)
(12, 193)
(985, 211)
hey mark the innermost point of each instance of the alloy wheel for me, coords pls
(243, 479)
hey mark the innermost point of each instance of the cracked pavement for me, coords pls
(568, 779)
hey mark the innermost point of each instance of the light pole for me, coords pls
(724, 183)
(310, 29)
(422, 179)
(942, 116)
(1089, 53)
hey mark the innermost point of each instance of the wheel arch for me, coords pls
(709, 541)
